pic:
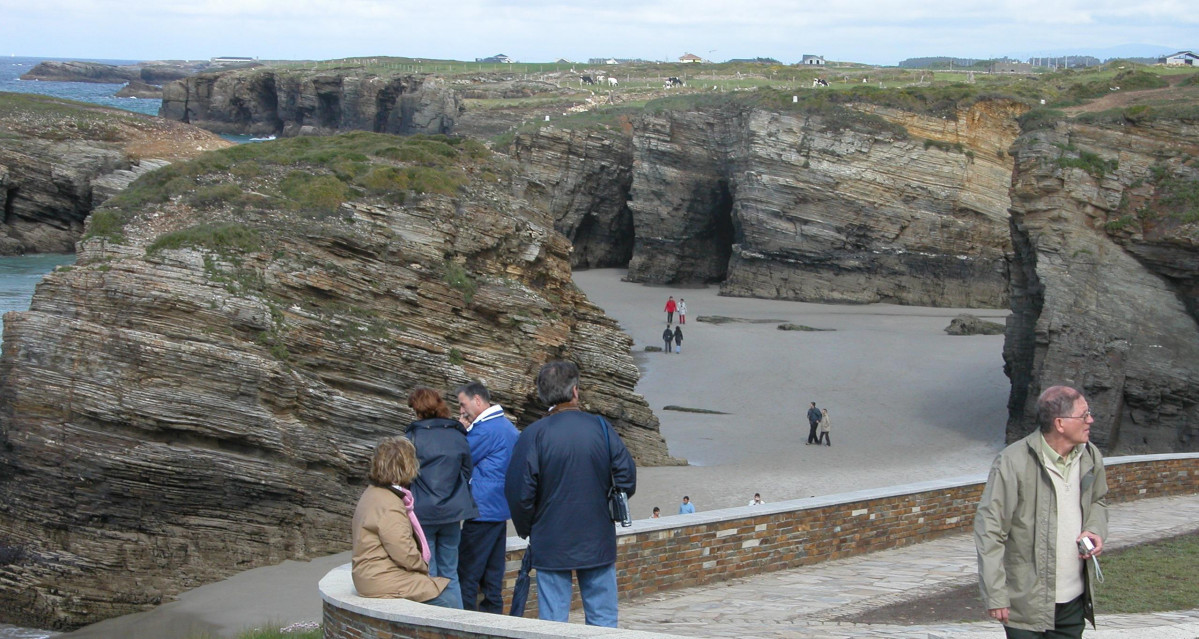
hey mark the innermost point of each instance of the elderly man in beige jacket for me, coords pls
(1044, 497)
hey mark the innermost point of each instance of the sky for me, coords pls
(870, 31)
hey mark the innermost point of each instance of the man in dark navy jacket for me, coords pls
(557, 490)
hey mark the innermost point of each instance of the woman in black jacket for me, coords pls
(442, 489)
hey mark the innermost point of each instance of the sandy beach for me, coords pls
(907, 403)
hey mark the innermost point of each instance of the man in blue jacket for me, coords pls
(557, 490)
(481, 552)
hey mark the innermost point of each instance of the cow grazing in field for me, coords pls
(586, 80)
(819, 82)
(612, 81)
(673, 82)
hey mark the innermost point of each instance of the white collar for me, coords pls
(492, 411)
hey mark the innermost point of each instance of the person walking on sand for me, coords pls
(825, 426)
(1042, 515)
(813, 422)
(557, 487)
(678, 339)
(682, 311)
(671, 307)
(686, 508)
(668, 338)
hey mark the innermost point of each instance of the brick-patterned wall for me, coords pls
(698, 549)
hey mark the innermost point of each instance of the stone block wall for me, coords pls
(707, 547)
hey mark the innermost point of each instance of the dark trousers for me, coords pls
(667, 348)
(1068, 623)
(824, 437)
(812, 438)
(481, 565)
(669, 316)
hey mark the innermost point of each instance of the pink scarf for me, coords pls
(406, 495)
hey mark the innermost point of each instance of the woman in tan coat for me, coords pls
(391, 556)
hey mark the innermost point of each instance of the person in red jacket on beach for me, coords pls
(671, 307)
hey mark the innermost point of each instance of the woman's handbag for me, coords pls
(618, 501)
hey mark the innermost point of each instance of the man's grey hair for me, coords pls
(555, 381)
(474, 389)
(1055, 402)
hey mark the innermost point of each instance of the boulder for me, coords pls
(137, 89)
(966, 324)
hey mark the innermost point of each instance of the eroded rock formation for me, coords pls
(911, 209)
(59, 160)
(289, 103)
(1104, 281)
(200, 393)
(583, 178)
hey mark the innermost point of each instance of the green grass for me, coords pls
(221, 238)
(1151, 577)
(460, 280)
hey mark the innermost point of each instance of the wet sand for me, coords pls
(907, 403)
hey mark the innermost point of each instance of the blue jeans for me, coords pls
(442, 600)
(443, 558)
(596, 585)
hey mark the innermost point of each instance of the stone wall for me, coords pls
(693, 550)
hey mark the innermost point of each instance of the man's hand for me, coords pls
(999, 614)
(1095, 541)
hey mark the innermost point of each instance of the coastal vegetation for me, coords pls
(307, 175)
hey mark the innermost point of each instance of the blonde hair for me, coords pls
(394, 462)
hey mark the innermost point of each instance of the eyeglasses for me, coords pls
(1084, 415)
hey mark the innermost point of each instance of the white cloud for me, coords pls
(881, 31)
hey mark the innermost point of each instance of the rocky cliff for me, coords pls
(1105, 279)
(850, 205)
(274, 101)
(200, 393)
(583, 177)
(59, 160)
(76, 71)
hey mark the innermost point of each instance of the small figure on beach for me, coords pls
(668, 338)
(813, 422)
(686, 508)
(671, 307)
(825, 426)
(678, 339)
(657, 514)
(390, 552)
(442, 489)
(682, 311)
(1042, 515)
(491, 436)
(757, 500)
(557, 486)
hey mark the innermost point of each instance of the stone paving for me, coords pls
(805, 602)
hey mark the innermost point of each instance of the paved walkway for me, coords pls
(805, 602)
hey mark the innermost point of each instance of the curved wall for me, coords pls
(691, 550)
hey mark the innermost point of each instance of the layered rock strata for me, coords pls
(786, 205)
(288, 103)
(1106, 236)
(583, 178)
(807, 209)
(59, 160)
(200, 393)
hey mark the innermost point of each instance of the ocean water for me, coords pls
(12, 67)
